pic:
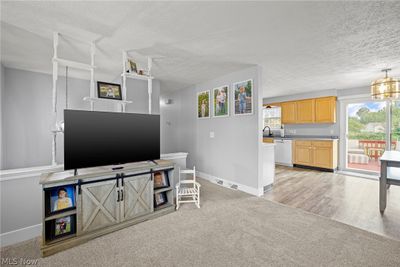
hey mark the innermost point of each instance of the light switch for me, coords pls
(212, 134)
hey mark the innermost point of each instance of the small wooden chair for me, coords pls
(187, 190)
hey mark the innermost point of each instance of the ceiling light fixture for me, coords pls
(386, 88)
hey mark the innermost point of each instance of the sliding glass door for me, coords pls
(372, 127)
(395, 125)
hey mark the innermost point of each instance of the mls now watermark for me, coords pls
(19, 261)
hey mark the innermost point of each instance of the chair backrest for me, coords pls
(193, 172)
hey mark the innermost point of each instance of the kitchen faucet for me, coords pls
(269, 130)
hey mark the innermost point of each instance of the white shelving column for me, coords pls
(68, 63)
(124, 61)
(149, 81)
(92, 92)
(136, 76)
(55, 78)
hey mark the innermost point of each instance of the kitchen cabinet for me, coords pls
(288, 112)
(305, 111)
(325, 110)
(268, 140)
(316, 153)
(303, 153)
(314, 110)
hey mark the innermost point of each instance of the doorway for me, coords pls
(372, 127)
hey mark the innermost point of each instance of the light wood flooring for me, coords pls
(348, 199)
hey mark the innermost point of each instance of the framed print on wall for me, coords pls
(221, 101)
(243, 97)
(109, 91)
(203, 104)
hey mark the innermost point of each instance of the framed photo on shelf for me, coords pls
(60, 227)
(161, 180)
(203, 104)
(221, 101)
(160, 199)
(59, 199)
(132, 67)
(109, 90)
(243, 98)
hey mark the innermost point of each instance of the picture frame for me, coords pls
(60, 227)
(160, 199)
(60, 199)
(221, 102)
(203, 105)
(132, 66)
(244, 105)
(109, 91)
(161, 179)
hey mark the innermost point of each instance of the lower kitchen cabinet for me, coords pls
(315, 153)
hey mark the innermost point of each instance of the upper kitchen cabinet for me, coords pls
(305, 111)
(314, 110)
(288, 111)
(325, 110)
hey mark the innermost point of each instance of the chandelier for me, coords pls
(386, 88)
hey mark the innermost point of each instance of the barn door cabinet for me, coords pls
(101, 201)
(106, 203)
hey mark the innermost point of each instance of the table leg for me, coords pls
(382, 186)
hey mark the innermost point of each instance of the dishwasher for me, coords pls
(283, 152)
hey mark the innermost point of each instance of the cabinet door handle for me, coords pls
(122, 195)
(118, 196)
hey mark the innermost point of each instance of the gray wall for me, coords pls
(1, 116)
(233, 153)
(27, 113)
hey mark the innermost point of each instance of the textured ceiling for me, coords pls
(301, 46)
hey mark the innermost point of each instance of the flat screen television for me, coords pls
(94, 138)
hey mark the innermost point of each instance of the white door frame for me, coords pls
(344, 102)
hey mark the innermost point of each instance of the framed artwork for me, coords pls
(59, 199)
(221, 101)
(161, 179)
(203, 104)
(60, 227)
(160, 199)
(243, 97)
(132, 67)
(109, 90)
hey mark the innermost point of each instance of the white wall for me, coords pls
(1, 116)
(27, 113)
(26, 109)
(233, 154)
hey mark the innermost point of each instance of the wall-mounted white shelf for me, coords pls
(95, 99)
(137, 76)
(74, 64)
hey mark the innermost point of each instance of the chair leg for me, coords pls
(198, 200)
(177, 200)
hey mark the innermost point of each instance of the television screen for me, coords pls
(94, 138)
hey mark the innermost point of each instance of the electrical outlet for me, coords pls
(212, 134)
(331, 132)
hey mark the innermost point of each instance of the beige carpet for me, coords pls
(231, 229)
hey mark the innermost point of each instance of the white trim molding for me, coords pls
(19, 235)
(14, 174)
(228, 184)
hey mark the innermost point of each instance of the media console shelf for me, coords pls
(100, 200)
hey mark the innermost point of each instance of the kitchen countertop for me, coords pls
(307, 137)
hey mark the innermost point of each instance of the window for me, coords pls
(272, 117)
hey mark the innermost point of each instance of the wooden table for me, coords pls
(390, 174)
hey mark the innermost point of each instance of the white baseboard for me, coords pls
(226, 183)
(20, 235)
